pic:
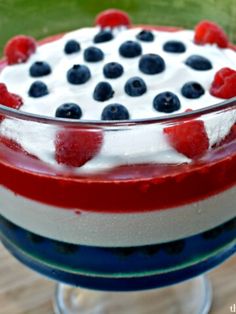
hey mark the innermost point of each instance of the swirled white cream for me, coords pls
(132, 145)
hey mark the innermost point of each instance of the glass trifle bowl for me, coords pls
(121, 211)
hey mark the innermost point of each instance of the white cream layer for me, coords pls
(137, 145)
(118, 229)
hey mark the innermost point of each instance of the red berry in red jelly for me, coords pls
(230, 137)
(9, 99)
(112, 18)
(14, 146)
(232, 134)
(188, 138)
(76, 147)
(19, 48)
(207, 32)
(224, 84)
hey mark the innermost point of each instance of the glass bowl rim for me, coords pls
(171, 118)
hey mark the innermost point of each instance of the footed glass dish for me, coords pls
(102, 208)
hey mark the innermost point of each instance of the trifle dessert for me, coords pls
(118, 153)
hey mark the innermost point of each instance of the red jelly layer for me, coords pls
(136, 188)
(124, 189)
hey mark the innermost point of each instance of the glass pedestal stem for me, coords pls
(193, 296)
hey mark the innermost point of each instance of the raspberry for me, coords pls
(223, 85)
(207, 32)
(9, 99)
(76, 147)
(189, 138)
(19, 48)
(112, 18)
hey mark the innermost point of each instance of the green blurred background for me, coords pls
(45, 17)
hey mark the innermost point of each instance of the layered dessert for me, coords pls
(118, 152)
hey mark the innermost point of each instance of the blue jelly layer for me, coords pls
(122, 284)
(120, 262)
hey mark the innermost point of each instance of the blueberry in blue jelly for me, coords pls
(151, 64)
(69, 111)
(113, 70)
(9, 225)
(198, 63)
(166, 102)
(78, 74)
(230, 225)
(151, 250)
(213, 233)
(93, 54)
(34, 238)
(192, 90)
(135, 86)
(66, 248)
(40, 68)
(103, 91)
(38, 89)
(124, 251)
(130, 49)
(174, 248)
(72, 46)
(115, 112)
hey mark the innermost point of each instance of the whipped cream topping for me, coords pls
(18, 80)
(131, 145)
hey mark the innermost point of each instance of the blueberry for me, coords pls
(124, 251)
(93, 54)
(69, 111)
(174, 46)
(38, 89)
(130, 49)
(145, 35)
(230, 225)
(66, 248)
(113, 70)
(115, 112)
(192, 90)
(135, 86)
(198, 63)
(174, 248)
(78, 74)
(9, 225)
(213, 233)
(151, 249)
(72, 46)
(39, 68)
(103, 91)
(151, 64)
(103, 36)
(37, 239)
(166, 102)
